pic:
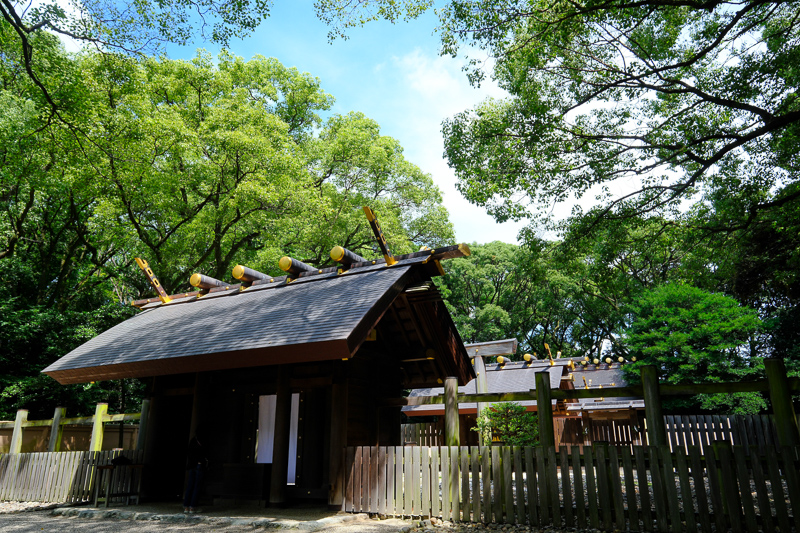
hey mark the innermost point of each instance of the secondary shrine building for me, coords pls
(277, 375)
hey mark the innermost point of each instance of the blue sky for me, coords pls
(391, 73)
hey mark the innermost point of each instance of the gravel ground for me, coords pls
(29, 517)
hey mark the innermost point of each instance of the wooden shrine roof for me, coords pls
(321, 317)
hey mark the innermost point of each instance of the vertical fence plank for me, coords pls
(408, 487)
(591, 487)
(382, 481)
(603, 486)
(730, 491)
(743, 475)
(630, 488)
(716, 491)
(486, 480)
(616, 488)
(552, 485)
(788, 456)
(435, 477)
(425, 464)
(533, 493)
(445, 457)
(762, 496)
(519, 485)
(577, 472)
(497, 485)
(566, 487)
(465, 485)
(659, 498)
(699, 488)
(391, 459)
(682, 466)
(777, 489)
(366, 479)
(508, 489)
(671, 489)
(454, 484)
(416, 482)
(476, 483)
(373, 479)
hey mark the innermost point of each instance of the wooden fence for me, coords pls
(682, 431)
(54, 476)
(423, 434)
(643, 488)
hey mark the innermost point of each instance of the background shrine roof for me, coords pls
(315, 318)
(512, 377)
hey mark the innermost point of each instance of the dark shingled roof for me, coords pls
(326, 318)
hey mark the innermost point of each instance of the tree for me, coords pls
(190, 164)
(509, 423)
(687, 101)
(127, 27)
(694, 336)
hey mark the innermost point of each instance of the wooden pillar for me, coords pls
(141, 438)
(451, 430)
(16, 436)
(338, 444)
(544, 407)
(280, 448)
(481, 387)
(96, 443)
(56, 430)
(781, 397)
(656, 429)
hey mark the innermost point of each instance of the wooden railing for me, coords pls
(639, 489)
(54, 476)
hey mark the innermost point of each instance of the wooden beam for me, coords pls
(656, 429)
(16, 436)
(338, 440)
(780, 396)
(491, 349)
(611, 392)
(96, 442)
(141, 438)
(56, 430)
(451, 430)
(544, 408)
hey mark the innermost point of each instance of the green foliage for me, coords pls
(694, 336)
(192, 165)
(509, 423)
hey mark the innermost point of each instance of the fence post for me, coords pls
(781, 397)
(142, 436)
(56, 430)
(544, 407)
(16, 436)
(96, 444)
(451, 430)
(656, 429)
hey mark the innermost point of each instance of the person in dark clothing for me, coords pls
(196, 464)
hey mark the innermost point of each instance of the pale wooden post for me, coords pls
(656, 429)
(56, 430)
(781, 397)
(141, 438)
(452, 435)
(481, 387)
(280, 447)
(338, 444)
(96, 444)
(16, 436)
(544, 408)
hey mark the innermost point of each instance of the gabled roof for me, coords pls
(323, 317)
